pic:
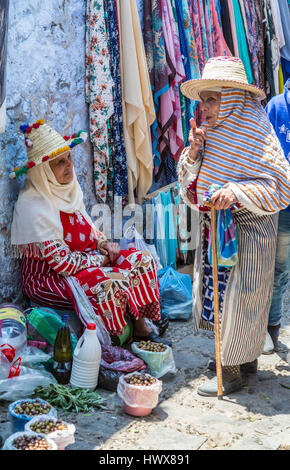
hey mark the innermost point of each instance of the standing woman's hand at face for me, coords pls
(196, 139)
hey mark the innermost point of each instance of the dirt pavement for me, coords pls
(255, 418)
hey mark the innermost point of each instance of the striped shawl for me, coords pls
(244, 153)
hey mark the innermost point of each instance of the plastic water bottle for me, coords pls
(86, 359)
(12, 327)
(62, 353)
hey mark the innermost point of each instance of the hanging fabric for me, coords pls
(226, 25)
(117, 149)
(4, 6)
(189, 53)
(219, 45)
(171, 141)
(241, 40)
(99, 94)
(157, 65)
(138, 106)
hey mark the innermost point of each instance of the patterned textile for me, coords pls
(197, 30)
(171, 140)
(117, 143)
(130, 282)
(219, 45)
(207, 285)
(261, 36)
(157, 65)
(99, 86)
(252, 38)
(244, 152)
(189, 52)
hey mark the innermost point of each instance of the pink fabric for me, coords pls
(220, 47)
(170, 101)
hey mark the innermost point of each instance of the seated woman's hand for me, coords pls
(223, 199)
(111, 250)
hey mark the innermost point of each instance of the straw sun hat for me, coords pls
(221, 72)
(44, 143)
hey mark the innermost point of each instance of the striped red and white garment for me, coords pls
(130, 284)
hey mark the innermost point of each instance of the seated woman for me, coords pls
(56, 239)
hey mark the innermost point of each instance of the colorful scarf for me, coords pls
(243, 150)
(99, 95)
(117, 144)
(189, 52)
(157, 65)
(171, 142)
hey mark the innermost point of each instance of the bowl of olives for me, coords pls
(26, 440)
(59, 431)
(22, 411)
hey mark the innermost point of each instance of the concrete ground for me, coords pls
(255, 418)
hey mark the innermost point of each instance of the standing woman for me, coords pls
(238, 150)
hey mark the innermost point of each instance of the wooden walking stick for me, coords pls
(216, 303)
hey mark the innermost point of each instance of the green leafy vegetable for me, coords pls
(70, 399)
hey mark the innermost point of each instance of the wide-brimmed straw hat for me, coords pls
(228, 72)
(44, 143)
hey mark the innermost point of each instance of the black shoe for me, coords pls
(249, 367)
(162, 325)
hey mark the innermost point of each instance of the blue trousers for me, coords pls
(282, 263)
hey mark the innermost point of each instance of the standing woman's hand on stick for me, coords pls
(196, 139)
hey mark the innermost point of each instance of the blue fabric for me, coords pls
(227, 242)
(278, 111)
(226, 234)
(165, 232)
(170, 232)
(207, 287)
(175, 294)
(282, 264)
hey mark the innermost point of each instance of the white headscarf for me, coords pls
(36, 215)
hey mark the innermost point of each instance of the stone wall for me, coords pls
(45, 79)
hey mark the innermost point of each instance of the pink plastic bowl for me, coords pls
(137, 410)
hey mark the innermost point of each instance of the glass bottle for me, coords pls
(62, 353)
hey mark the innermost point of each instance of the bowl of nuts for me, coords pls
(22, 411)
(59, 431)
(26, 440)
(139, 392)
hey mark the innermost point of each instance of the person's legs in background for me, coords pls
(282, 263)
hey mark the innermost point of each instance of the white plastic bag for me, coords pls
(61, 438)
(8, 444)
(87, 312)
(160, 363)
(135, 396)
(132, 238)
(24, 385)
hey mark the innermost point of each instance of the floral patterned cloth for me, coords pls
(99, 91)
(117, 150)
